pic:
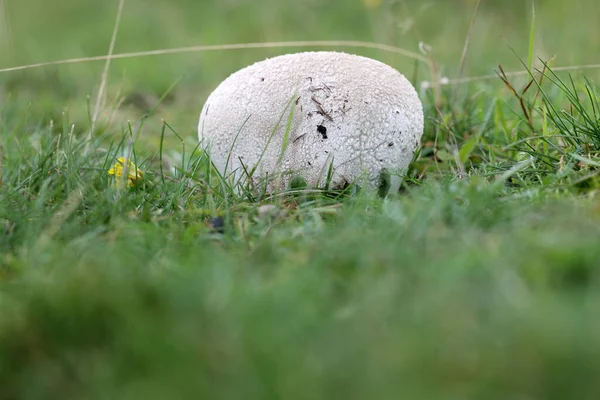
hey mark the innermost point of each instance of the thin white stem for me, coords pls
(104, 78)
(235, 46)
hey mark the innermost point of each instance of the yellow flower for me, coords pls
(133, 172)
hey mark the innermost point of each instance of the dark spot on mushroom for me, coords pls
(397, 112)
(262, 79)
(322, 130)
(207, 107)
(297, 100)
(390, 144)
(299, 137)
(309, 163)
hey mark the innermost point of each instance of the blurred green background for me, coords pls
(40, 30)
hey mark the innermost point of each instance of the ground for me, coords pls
(478, 280)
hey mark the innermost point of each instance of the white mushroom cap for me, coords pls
(352, 112)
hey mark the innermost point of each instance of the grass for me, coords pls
(478, 280)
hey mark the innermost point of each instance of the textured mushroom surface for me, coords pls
(301, 114)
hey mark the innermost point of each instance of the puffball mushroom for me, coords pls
(330, 118)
